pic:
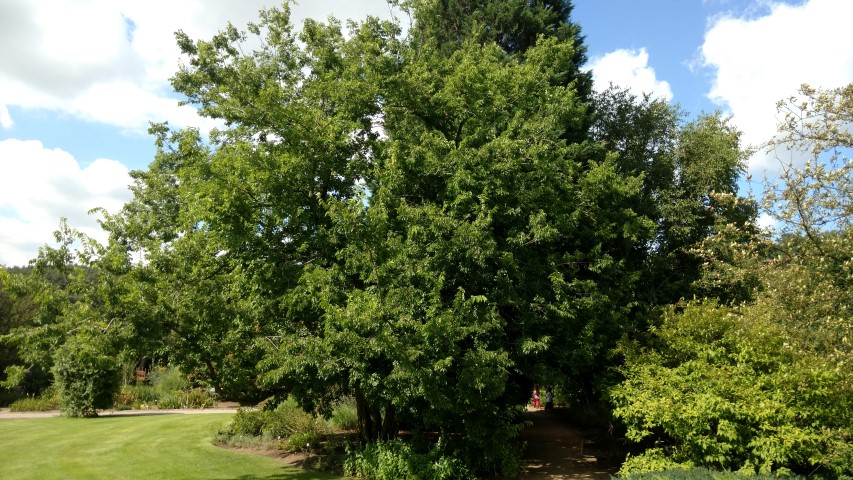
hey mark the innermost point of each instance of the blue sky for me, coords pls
(81, 79)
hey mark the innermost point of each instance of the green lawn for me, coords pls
(132, 447)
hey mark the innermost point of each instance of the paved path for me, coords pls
(557, 451)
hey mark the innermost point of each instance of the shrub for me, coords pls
(288, 419)
(169, 401)
(297, 429)
(248, 423)
(137, 396)
(87, 377)
(125, 397)
(197, 398)
(302, 441)
(45, 402)
(344, 415)
(701, 474)
(395, 459)
(729, 389)
(169, 380)
(143, 394)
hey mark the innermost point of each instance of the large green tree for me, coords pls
(407, 221)
(690, 171)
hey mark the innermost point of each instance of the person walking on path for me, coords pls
(536, 402)
(549, 399)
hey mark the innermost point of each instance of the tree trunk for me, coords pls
(365, 422)
(372, 424)
(389, 425)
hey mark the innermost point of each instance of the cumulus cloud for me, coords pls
(629, 69)
(104, 62)
(108, 61)
(760, 59)
(40, 185)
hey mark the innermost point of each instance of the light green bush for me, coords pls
(293, 428)
(730, 390)
(703, 474)
(249, 423)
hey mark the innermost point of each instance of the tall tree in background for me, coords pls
(690, 172)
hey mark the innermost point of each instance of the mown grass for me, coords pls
(131, 447)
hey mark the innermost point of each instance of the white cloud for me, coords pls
(761, 59)
(40, 185)
(108, 61)
(629, 69)
(5, 118)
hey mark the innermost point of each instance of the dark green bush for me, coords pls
(88, 379)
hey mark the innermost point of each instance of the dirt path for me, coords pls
(557, 451)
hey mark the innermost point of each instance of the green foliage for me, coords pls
(732, 389)
(397, 460)
(302, 441)
(293, 428)
(289, 419)
(690, 173)
(48, 400)
(87, 376)
(484, 239)
(697, 474)
(247, 422)
(196, 398)
(169, 389)
(138, 396)
(169, 380)
(344, 415)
